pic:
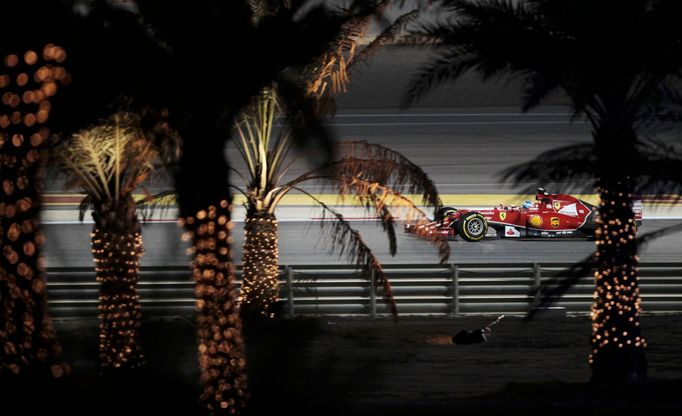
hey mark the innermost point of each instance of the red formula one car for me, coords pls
(551, 215)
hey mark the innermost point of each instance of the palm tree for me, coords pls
(614, 60)
(29, 78)
(173, 72)
(203, 97)
(322, 79)
(108, 162)
(373, 174)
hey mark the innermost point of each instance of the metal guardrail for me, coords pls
(450, 289)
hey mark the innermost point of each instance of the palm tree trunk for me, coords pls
(203, 199)
(260, 261)
(117, 250)
(28, 340)
(222, 357)
(617, 345)
(26, 332)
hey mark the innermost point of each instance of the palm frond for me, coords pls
(645, 239)
(155, 205)
(664, 110)
(573, 165)
(403, 176)
(328, 76)
(253, 141)
(82, 156)
(260, 9)
(384, 168)
(537, 87)
(280, 152)
(108, 161)
(83, 207)
(447, 65)
(240, 190)
(656, 168)
(464, 40)
(553, 289)
(494, 10)
(388, 224)
(138, 162)
(348, 242)
(382, 202)
(385, 204)
(241, 176)
(246, 145)
(304, 120)
(81, 177)
(387, 36)
(158, 131)
(117, 137)
(376, 163)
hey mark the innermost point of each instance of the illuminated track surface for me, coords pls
(303, 243)
(462, 153)
(462, 135)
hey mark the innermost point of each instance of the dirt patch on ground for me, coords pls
(363, 366)
(350, 366)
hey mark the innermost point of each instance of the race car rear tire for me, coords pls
(472, 226)
(443, 212)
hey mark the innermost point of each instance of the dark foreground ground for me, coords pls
(333, 366)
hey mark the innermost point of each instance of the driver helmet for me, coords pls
(541, 193)
(527, 204)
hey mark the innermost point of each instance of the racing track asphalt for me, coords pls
(303, 243)
(462, 135)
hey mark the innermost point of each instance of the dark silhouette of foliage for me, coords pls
(618, 62)
(164, 60)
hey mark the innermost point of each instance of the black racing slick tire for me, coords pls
(472, 226)
(443, 212)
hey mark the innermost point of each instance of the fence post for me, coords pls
(289, 275)
(372, 295)
(537, 282)
(454, 273)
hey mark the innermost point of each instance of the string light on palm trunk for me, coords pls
(260, 259)
(117, 262)
(222, 359)
(27, 81)
(617, 303)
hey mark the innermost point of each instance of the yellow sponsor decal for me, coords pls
(557, 205)
(554, 221)
(535, 221)
(503, 216)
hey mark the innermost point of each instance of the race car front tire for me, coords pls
(472, 226)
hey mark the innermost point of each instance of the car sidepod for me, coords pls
(589, 224)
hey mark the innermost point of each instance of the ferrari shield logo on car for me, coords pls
(557, 205)
(554, 221)
(535, 221)
(503, 215)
